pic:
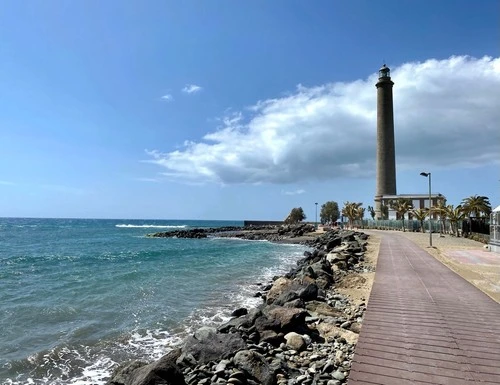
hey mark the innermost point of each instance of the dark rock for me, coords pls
(208, 345)
(288, 319)
(164, 371)
(308, 293)
(285, 297)
(121, 374)
(299, 303)
(263, 323)
(256, 367)
(239, 312)
(245, 321)
(333, 243)
(271, 337)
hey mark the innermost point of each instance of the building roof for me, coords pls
(414, 196)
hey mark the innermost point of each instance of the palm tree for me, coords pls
(371, 210)
(476, 205)
(455, 215)
(420, 215)
(351, 211)
(384, 210)
(402, 206)
(440, 209)
(361, 214)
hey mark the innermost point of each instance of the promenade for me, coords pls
(425, 324)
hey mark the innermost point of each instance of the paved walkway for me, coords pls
(425, 324)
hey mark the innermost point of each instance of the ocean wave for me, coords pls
(151, 226)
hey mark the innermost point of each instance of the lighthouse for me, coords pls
(386, 158)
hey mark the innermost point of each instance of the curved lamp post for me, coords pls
(428, 175)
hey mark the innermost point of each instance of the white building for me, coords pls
(495, 230)
(419, 201)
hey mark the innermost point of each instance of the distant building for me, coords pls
(418, 201)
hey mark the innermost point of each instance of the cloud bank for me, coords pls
(447, 114)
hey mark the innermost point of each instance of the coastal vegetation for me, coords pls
(353, 211)
(296, 215)
(420, 215)
(401, 206)
(448, 217)
(329, 212)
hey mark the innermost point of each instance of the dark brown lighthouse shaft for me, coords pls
(386, 158)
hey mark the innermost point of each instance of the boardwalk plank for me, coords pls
(424, 324)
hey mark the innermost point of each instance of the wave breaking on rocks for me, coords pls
(304, 332)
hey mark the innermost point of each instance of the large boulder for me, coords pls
(164, 371)
(280, 286)
(246, 321)
(288, 319)
(308, 292)
(295, 341)
(255, 366)
(323, 309)
(208, 345)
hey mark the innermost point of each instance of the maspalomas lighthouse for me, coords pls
(386, 158)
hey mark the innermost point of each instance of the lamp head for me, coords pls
(426, 174)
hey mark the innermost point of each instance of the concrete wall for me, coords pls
(262, 223)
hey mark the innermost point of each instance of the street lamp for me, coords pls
(316, 221)
(428, 175)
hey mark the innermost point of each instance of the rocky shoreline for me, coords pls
(269, 233)
(304, 332)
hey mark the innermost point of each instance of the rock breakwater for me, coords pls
(269, 232)
(304, 332)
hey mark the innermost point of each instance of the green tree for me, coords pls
(329, 212)
(402, 206)
(476, 205)
(372, 212)
(361, 215)
(455, 215)
(420, 215)
(384, 210)
(440, 210)
(296, 215)
(351, 211)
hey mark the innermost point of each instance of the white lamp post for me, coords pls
(428, 175)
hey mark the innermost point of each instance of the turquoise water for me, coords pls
(79, 295)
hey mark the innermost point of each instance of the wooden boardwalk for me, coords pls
(425, 324)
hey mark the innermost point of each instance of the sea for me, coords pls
(79, 296)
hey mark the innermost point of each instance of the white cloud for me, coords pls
(446, 115)
(191, 89)
(295, 192)
(149, 180)
(167, 98)
(6, 183)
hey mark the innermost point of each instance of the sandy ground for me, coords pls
(468, 258)
(358, 286)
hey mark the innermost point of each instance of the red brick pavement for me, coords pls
(425, 324)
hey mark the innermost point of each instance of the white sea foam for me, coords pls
(122, 225)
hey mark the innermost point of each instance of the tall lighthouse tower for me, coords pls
(386, 158)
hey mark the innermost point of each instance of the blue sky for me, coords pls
(240, 109)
